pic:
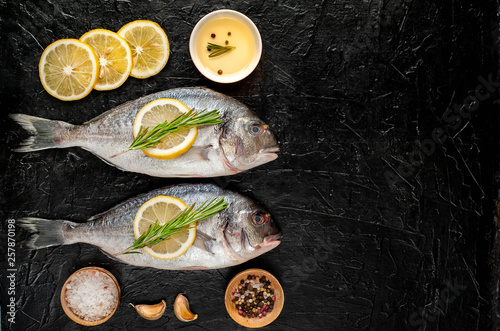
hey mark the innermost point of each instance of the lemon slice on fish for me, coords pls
(68, 69)
(115, 57)
(159, 111)
(164, 208)
(149, 45)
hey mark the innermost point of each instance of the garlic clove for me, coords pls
(151, 312)
(181, 309)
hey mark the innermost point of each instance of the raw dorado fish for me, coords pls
(241, 142)
(235, 235)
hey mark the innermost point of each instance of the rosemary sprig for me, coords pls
(216, 50)
(156, 233)
(150, 138)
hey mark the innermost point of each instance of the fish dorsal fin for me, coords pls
(204, 242)
(95, 217)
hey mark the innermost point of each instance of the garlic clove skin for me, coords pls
(151, 312)
(181, 309)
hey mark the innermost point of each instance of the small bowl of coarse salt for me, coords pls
(90, 296)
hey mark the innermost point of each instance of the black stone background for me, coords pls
(379, 233)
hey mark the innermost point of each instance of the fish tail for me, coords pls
(44, 133)
(45, 233)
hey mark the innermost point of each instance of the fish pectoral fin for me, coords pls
(204, 242)
(201, 152)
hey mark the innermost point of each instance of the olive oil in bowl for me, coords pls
(225, 46)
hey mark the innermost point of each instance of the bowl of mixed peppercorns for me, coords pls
(254, 298)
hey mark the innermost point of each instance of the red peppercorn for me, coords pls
(253, 300)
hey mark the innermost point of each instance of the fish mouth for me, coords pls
(270, 152)
(270, 241)
(273, 237)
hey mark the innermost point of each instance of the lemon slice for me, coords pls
(115, 57)
(68, 69)
(164, 208)
(159, 111)
(149, 45)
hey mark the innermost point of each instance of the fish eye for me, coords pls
(256, 128)
(259, 219)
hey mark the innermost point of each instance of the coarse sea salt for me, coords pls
(91, 295)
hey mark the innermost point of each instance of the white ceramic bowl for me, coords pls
(229, 14)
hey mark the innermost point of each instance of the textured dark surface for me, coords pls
(382, 229)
